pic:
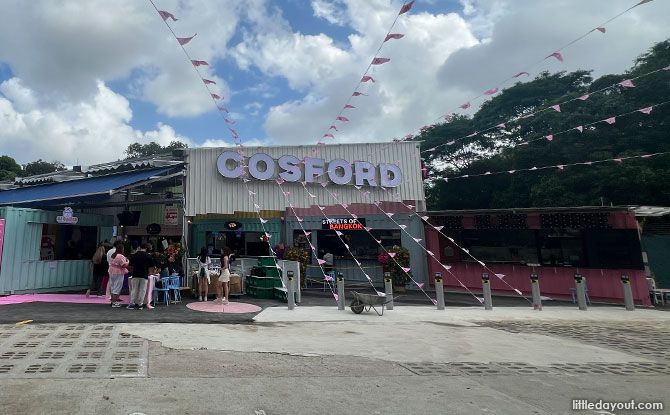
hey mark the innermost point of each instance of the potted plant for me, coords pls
(395, 266)
(300, 255)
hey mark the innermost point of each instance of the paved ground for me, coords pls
(416, 361)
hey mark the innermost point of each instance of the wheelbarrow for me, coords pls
(369, 301)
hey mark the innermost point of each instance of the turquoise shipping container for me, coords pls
(22, 271)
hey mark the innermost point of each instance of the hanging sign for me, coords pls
(153, 229)
(68, 217)
(233, 225)
(343, 224)
(263, 167)
(171, 216)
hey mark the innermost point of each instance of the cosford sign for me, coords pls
(289, 168)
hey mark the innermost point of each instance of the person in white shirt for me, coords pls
(204, 261)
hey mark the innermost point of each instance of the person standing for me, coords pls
(118, 267)
(204, 261)
(223, 284)
(140, 263)
(328, 266)
(99, 270)
(108, 286)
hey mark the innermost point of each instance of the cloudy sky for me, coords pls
(80, 80)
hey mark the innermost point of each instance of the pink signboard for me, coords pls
(2, 238)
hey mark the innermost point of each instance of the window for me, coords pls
(68, 242)
(361, 243)
(562, 247)
(613, 249)
(501, 245)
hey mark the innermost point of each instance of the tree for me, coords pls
(41, 167)
(137, 150)
(9, 168)
(498, 148)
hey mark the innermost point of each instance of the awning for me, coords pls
(75, 189)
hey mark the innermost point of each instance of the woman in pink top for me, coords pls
(118, 267)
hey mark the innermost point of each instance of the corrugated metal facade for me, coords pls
(207, 191)
(22, 270)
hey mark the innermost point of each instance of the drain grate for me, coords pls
(13, 355)
(37, 335)
(579, 369)
(51, 355)
(6, 368)
(431, 369)
(75, 327)
(21, 345)
(524, 368)
(43, 368)
(477, 368)
(89, 355)
(68, 335)
(6, 335)
(100, 335)
(125, 368)
(61, 344)
(95, 344)
(126, 355)
(83, 368)
(129, 344)
(107, 328)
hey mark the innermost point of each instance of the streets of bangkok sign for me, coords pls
(338, 171)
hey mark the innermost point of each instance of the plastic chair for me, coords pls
(174, 285)
(163, 289)
(573, 292)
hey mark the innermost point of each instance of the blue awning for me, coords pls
(75, 189)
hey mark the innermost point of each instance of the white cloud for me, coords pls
(331, 11)
(86, 132)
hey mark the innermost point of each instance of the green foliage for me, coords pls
(41, 167)
(394, 265)
(136, 150)
(9, 168)
(632, 182)
(303, 257)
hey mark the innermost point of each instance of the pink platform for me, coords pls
(230, 308)
(55, 298)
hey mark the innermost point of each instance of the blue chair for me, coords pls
(174, 286)
(164, 290)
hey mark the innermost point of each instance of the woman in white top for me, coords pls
(223, 287)
(203, 274)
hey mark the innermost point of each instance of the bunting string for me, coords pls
(558, 167)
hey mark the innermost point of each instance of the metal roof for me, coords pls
(646, 211)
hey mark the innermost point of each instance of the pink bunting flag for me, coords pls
(667, 68)
(618, 160)
(420, 285)
(501, 125)
(434, 301)
(340, 118)
(447, 267)
(167, 15)
(579, 128)
(511, 171)
(348, 106)
(344, 205)
(403, 226)
(215, 96)
(638, 4)
(561, 167)
(324, 184)
(367, 228)
(480, 299)
(358, 187)
(471, 135)
(549, 137)
(367, 78)
(430, 253)
(406, 269)
(311, 194)
(393, 36)
(380, 61)
(556, 55)
(451, 143)
(184, 40)
(392, 254)
(533, 168)
(379, 241)
(556, 108)
(601, 29)
(222, 109)
(358, 94)
(389, 214)
(322, 208)
(339, 233)
(321, 261)
(627, 83)
(208, 81)
(329, 135)
(280, 180)
(307, 233)
(257, 206)
(584, 97)
(487, 173)
(263, 220)
(610, 120)
(501, 276)
(646, 110)
(438, 228)
(491, 91)
(199, 63)
(229, 121)
(521, 73)
(286, 193)
(417, 240)
(234, 133)
(408, 6)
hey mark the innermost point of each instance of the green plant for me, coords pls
(302, 256)
(395, 266)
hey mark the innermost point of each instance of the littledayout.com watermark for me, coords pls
(585, 404)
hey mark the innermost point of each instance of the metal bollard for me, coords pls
(439, 291)
(340, 291)
(627, 293)
(535, 289)
(388, 289)
(290, 289)
(581, 293)
(486, 287)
